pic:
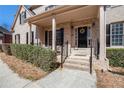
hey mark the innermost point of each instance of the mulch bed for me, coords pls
(22, 68)
(113, 79)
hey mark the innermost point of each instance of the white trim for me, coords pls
(116, 47)
(76, 41)
(110, 35)
(123, 36)
(90, 25)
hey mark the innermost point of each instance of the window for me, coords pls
(27, 38)
(22, 17)
(36, 34)
(49, 7)
(59, 37)
(17, 39)
(48, 38)
(117, 34)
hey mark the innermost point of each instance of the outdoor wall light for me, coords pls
(93, 24)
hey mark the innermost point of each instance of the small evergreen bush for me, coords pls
(116, 57)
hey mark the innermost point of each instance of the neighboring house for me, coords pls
(80, 25)
(21, 28)
(5, 36)
(115, 26)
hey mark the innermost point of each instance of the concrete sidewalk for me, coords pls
(66, 78)
(9, 79)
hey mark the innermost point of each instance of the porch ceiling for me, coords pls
(72, 15)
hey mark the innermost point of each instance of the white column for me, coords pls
(102, 37)
(53, 34)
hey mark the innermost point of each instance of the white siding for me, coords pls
(115, 14)
(22, 29)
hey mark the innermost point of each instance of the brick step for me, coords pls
(76, 66)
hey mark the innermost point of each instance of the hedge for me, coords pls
(6, 48)
(38, 56)
(116, 57)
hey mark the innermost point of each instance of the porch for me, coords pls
(79, 25)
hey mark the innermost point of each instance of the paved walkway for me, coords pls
(66, 78)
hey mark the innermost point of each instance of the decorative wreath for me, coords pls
(82, 30)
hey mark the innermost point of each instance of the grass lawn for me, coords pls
(22, 68)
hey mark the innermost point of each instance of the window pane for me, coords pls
(117, 34)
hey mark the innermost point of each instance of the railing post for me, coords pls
(91, 58)
(62, 56)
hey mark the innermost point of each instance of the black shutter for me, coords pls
(25, 14)
(20, 18)
(46, 39)
(50, 38)
(32, 37)
(19, 38)
(108, 35)
(27, 38)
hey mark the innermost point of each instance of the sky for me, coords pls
(7, 13)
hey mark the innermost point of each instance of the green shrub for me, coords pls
(6, 48)
(40, 57)
(116, 57)
(21, 51)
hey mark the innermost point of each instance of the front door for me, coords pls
(82, 37)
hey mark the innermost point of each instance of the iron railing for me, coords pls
(91, 57)
(64, 52)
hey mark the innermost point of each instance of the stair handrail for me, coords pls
(64, 52)
(91, 56)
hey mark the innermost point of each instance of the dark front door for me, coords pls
(82, 37)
